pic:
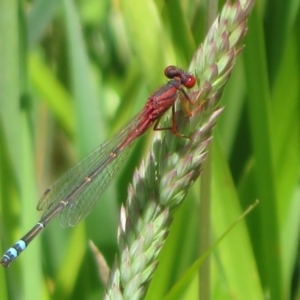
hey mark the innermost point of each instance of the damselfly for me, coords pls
(73, 196)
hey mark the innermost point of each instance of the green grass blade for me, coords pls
(86, 105)
(269, 260)
(54, 94)
(39, 18)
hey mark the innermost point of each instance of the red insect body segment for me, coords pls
(161, 100)
(186, 79)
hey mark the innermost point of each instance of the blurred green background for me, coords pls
(73, 72)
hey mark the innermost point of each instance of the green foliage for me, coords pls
(73, 72)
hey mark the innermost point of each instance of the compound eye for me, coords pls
(189, 82)
(171, 72)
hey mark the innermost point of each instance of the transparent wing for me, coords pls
(81, 202)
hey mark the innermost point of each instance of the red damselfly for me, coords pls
(73, 196)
